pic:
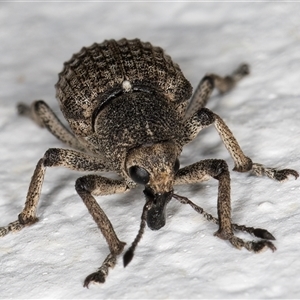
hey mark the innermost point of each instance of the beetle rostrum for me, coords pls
(130, 110)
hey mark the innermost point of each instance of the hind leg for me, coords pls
(211, 81)
(43, 116)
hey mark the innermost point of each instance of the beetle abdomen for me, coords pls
(98, 73)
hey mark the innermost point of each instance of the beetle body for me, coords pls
(129, 110)
(109, 92)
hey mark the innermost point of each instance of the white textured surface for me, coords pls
(184, 259)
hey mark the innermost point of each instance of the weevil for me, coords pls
(131, 110)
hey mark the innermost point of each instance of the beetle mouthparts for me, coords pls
(156, 216)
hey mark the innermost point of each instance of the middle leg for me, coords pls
(204, 118)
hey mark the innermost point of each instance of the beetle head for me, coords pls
(154, 166)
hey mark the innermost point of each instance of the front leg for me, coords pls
(213, 168)
(97, 185)
(204, 118)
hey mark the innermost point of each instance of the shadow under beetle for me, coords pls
(127, 104)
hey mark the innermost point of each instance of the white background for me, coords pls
(182, 260)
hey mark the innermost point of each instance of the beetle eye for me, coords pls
(139, 175)
(176, 165)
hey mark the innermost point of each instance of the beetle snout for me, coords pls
(156, 217)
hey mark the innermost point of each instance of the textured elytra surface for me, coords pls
(95, 75)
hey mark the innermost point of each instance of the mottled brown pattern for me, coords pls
(80, 90)
(127, 104)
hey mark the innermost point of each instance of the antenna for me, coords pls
(129, 253)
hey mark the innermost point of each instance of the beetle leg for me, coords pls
(273, 173)
(43, 116)
(28, 215)
(204, 117)
(218, 169)
(97, 185)
(85, 186)
(53, 157)
(258, 232)
(225, 84)
(207, 84)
